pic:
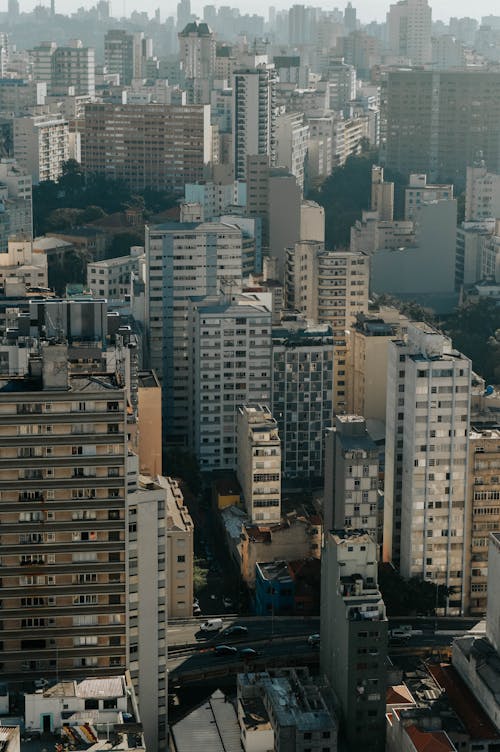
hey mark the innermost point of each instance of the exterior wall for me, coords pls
(253, 117)
(493, 609)
(63, 530)
(259, 463)
(149, 429)
(174, 149)
(41, 145)
(173, 251)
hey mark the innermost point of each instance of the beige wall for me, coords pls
(149, 430)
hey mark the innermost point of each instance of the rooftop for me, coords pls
(429, 741)
(100, 688)
(277, 571)
(255, 715)
(212, 727)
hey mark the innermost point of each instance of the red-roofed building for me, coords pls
(405, 735)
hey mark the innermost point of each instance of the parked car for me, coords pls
(211, 625)
(225, 650)
(249, 652)
(235, 630)
(196, 610)
(313, 640)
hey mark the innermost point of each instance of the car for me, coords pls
(225, 650)
(227, 601)
(41, 683)
(235, 630)
(249, 652)
(211, 625)
(313, 640)
(196, 610)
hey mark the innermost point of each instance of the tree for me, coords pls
(474, 329)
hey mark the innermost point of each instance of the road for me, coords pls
(195, 660)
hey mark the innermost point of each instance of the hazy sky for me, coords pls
(368, 10)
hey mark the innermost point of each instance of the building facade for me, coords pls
(254, 116)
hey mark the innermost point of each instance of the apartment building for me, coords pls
(16, 196)
(351, 476)
(329, 287)
(291, 144)
(482, 192)
(174, 148)
(159, 545)
(428, 413)
(368, 358)
(229, 366)
(64, 449)
(20, 262)
(119, 54)
(419, 192)
(259, 463)
(302, 394)
(437, 121)
(41, 145)
(409, 25)
(112, 278)
(73, 70)
(183, 261)
(254, 116)
(353, 649)
(483, 504)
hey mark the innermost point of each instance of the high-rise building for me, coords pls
(119, 54)
(351, 477)
(301, 25)
(354, 635)
(291, 144)
(382, 195)
(409, 24)
(197, 58)
(41, 145)
(183, 260)
(41, 60)
(330, 287)
(64, 436)
(73, 70)
(428, 413)
(229, 366)
(444, 137)
(302, 383)
(259, 463)
(174, 148)
(16, 196)
(254, 116)
(350, 22)
(482, 193)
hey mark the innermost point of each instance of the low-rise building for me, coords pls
(112, 278)
(293, 711)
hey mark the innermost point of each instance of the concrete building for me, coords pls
(441, 140)
(305, 719)
(341, 86)
(19, 95)
(73, 70)
(292, 143)
(419, 192)
(112, 278)
(302, 387)
(350, 497)
(41, 62)
(472, 237)
(41, 145)
(368, 352)
(183, 261)
(212, 725)
(330, 287)
(409, 25)
(197, 48)
(63, 524)
(254, 116)
(21, 262)
(214, 198)
(482, 193)
(382, 195)
(229, 365)
(16, 196)
(149, 440)
(353, 648)
(175, 147)
(475, 656)
(259, 463)
(119, 55)
(428, 413)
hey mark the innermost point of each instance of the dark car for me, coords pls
(249, 652)
(225, 650)
(235, 631)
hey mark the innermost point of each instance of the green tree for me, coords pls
(473, 328)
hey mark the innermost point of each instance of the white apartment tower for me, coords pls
(428, 413)
(230, 365)
(409, 24)
(292, 143)
(183, 260)
(254, 116)
(41, 145)
(197, 50)
(259, 463)
(73, 70)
